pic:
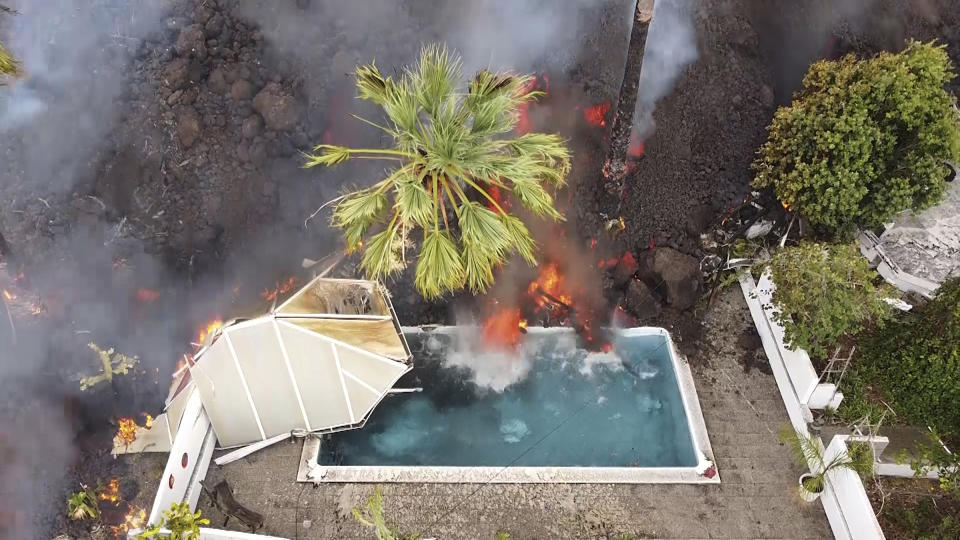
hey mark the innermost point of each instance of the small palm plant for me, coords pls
(452, 157)
(82, 505)
(808, 451)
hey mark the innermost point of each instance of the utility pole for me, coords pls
(615, 166)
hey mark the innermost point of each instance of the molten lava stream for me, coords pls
(503, 329)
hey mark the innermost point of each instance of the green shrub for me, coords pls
(824, 292)
(864, 139)
(915, 362)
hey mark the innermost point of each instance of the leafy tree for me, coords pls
(452, 155)
(82, 505)
(915, 362)
(824, 292)
(864, 140)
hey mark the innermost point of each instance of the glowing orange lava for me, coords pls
(110, 492)
(636, 149)
(504, 328)
(596, 115)
(279, 288)
(147, 295)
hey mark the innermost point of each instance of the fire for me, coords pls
(127, 430)
(279, 289)
(208, 330)
(136, 518)
(539, 83)
(504, 328)
(9, 295)
(596, 115)
(110, 492)
(147, 420)
(549, 281)
(147, 295)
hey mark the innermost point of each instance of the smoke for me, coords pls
(54, 122)
(671, 46)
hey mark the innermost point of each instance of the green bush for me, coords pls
(824, 292)
(915, 363)
(864, 139)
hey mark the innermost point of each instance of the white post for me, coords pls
(188, 462)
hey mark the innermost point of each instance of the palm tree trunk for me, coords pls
(615, 166)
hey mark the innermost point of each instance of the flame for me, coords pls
(207, 331)
(596, 115)
(551, 282)
(538, 83)
(126, 430)
(504, 328)
(786, 206)
(147, 420)
(147, 295)
(110, 492)
(136, 518)
(279, 288)
(9, 295)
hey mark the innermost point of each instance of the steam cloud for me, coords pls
(671, 47)
(52, 124)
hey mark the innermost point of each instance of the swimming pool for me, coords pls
(547, 412)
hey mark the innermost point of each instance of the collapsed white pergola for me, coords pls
(319, 362)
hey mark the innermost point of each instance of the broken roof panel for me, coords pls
(313, 371)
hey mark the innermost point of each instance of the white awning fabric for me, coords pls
(321, 361)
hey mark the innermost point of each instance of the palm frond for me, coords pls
(435, 78)
(439, 268)
(551, 150)
(520, 238)
(372, 85)
(482, 228)
(414, 204)
(402, 107)
(478, 265)
(804, 448)
(360, 208)
(327, 155)
(382, 256)
(8, 64)
(536, 199)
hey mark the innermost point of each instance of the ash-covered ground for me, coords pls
(150, 175)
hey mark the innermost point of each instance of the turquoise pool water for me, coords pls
(551, 405)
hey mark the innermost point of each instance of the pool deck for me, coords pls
(743, 411)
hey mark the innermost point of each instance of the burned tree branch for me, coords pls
(615, 166)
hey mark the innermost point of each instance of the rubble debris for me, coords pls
(677, 274)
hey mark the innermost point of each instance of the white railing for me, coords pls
(844, 499)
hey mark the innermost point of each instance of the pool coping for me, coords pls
(310, 471)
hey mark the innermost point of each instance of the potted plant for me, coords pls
(808, 451)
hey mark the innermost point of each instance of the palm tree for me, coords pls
(452, 159)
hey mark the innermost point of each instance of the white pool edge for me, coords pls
(310, 472)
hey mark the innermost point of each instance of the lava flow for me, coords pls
(504, 328)
(540, 83)
(596, 115)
